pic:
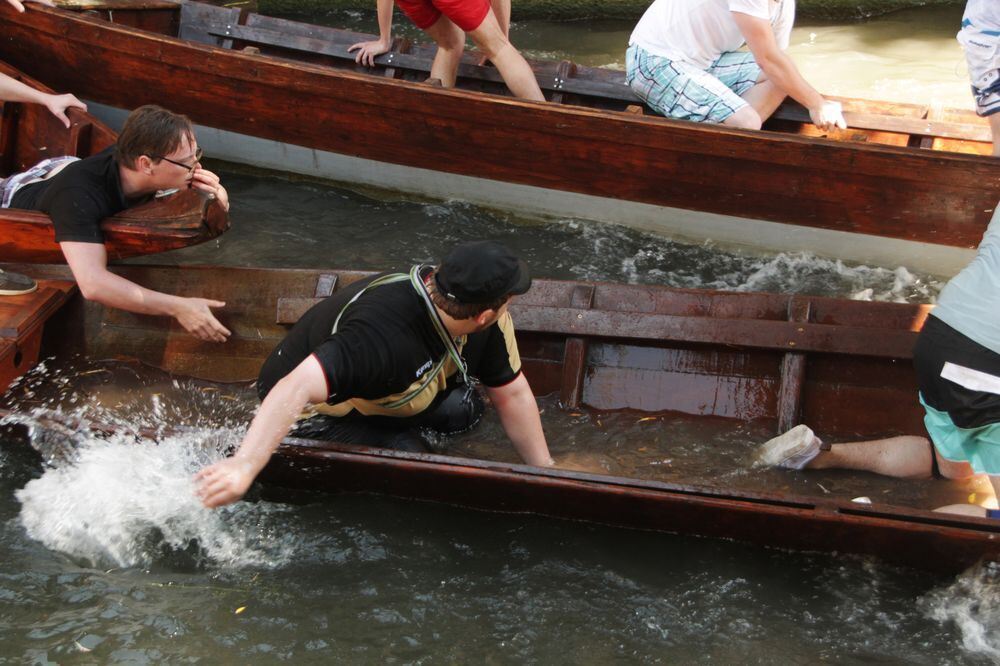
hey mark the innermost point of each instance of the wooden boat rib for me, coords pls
(899, 177)
(841, 366)
(29, 134)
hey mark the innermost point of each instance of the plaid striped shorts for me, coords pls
(681, 90)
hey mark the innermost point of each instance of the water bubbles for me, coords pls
(117, 488)
(972, 603)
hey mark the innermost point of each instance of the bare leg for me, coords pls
(764, 97)
(907, 457)
(512, 66)
(745, 118)
(502, 10)
(450, 41)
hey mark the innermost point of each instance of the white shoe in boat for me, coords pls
(15, 284)
(793, 450)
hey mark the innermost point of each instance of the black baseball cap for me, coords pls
(481, 272)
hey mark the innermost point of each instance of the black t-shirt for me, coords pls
(78, 197)
(384, 343)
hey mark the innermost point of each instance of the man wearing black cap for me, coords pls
(391, 354)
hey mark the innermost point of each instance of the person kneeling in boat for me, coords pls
(957, 359)
(391, 354)
(684, 61)
(155, 151)
(447, 22)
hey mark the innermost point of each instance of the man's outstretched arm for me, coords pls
(519, 416)
(228, 480)
(89, 263)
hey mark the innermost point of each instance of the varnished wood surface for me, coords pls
(844, 390)
(896, 191)
(21, 321)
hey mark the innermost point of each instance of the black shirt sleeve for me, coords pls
(492, 355)
(358, 363)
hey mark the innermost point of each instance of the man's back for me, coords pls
(78, 197)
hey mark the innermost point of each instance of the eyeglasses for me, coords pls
(198, 154)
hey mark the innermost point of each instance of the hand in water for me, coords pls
(224, 482)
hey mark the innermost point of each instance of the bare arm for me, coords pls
(780, 69)
(367, 51)
(228, 480)
(518, 413)
(89, 263)
(19, 6)
(12, 90)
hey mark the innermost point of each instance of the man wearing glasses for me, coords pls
(156, 150)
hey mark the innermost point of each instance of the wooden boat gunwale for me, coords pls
(559, 358)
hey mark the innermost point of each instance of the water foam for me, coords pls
(972, 603)
(128, 498)
(126, 502)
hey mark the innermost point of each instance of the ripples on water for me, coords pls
(323, 226)
(107, 554)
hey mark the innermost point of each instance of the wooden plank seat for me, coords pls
(759, 333)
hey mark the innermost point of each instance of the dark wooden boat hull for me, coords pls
(30, 134)
(842, 366)
(898, 192)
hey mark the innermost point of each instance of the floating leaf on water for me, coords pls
(647, 418)
(239, 610)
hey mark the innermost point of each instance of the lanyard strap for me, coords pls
(449, 344)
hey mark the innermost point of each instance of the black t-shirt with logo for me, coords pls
(78, 197)
(384, 343)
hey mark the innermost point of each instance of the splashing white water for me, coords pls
(128, 502)
(972, 603)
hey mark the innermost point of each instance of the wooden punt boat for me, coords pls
(842, 366)
(29, 134)
(914, 181)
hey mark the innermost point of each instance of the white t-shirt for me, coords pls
(982, 14)
(699, 31)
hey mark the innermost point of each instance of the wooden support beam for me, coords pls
(793, 370)
(575, 353)
(325, 284)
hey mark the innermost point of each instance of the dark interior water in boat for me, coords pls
(324, 226)
(109, 557)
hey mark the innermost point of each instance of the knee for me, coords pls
(453, 41)
(745, 118)
(956, 471)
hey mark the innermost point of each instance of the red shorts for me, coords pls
(466, 14)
